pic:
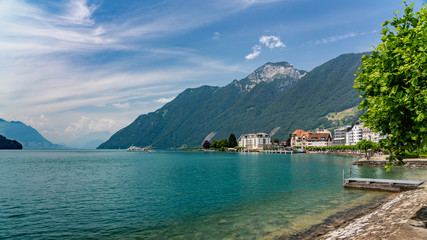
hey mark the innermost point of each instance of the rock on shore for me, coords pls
(402, 217)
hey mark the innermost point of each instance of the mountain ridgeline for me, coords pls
(26, 135)
(275, 96)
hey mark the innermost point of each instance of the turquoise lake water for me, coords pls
(98, 194)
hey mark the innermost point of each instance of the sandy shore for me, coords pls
(403, 216)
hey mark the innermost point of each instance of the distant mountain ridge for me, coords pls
(275, 96)
(26, 135)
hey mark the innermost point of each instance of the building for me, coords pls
(352, 134)
(340, 135)
(355, 134)
(254, 141)
(370, 135)
(320, 139)
(300, 138)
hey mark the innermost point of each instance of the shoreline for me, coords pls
(380, 161)
(337, 220)
(399, 216)
(402, 216)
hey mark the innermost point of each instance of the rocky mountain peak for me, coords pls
(270, 72)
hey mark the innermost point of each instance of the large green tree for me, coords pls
(232, 142)
(393, 82)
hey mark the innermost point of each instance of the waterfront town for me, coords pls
(300, 139)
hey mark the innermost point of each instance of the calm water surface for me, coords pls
(172, 194)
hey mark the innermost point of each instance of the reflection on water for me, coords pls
(172, 194)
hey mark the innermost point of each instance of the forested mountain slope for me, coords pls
(274, 95)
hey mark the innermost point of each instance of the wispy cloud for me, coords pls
(86, 124)
(164, 100)
(121, 105)
(342, 37)
(34, 31)
(256, 50)
(268, 41)
(335, 38)
(53, 60)
(216, 36)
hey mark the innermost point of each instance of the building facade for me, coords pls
(254, 141)
(355, 134)
(320, 139)
(352, 134)
(300, 138)
(340, 135)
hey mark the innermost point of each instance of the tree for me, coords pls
(393, 82)
(206, 144)
(276, 140)
(223, 143)
(366, 145)
(232, 142)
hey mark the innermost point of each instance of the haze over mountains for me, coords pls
(274, 98)
(26, 135)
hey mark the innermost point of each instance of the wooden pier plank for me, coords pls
(383, 181)
(381, 184)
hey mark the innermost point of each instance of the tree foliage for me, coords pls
(368, 147)
(222, 144)
(206, 144)
(393, 82)
(232, 142)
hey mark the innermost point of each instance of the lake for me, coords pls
(164, 194)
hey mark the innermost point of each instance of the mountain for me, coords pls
(90, 141)
(9, 144)
(26, 135)
(275, 96)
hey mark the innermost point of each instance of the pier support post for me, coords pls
(343, 176)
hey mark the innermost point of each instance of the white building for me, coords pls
(370, 135)
(254, 141)
(352, 134)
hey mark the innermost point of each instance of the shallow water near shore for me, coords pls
(174, 195)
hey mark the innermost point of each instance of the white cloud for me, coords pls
(85, 124)
(79, 12)
(216, 36)
(268, 41)
(48, 62)
(335, 38)
(256, 50)
(164, 100)
(343, 37)
(33, 31)
(271, 41)
(121, 105)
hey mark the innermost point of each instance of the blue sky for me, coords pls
(71, 67)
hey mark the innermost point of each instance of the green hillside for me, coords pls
(274, 95)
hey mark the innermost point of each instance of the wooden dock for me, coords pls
(381, 184)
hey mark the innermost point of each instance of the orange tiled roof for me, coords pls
(300, 133)
(319, 136)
